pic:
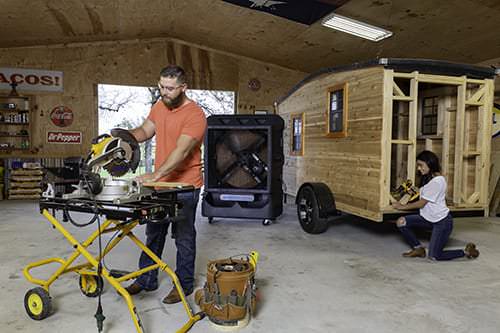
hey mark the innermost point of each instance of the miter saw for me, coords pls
(118, 154)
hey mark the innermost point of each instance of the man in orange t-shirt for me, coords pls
(179, 125)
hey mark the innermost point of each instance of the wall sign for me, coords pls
(64, 137)
(31, 79)
(61, 116)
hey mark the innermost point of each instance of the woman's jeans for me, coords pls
(185, 240)
(441, 231)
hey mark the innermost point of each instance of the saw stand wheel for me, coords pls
(91, 285)
(267, 222)
(38, 303)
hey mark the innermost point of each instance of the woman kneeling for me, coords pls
(433, 214)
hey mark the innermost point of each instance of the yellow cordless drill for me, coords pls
(406, 192)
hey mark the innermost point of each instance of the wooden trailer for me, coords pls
(353, 133)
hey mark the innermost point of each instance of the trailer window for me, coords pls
(297, 144)
(430, 115)
(337, 112)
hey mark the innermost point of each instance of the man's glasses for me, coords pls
(169, 88)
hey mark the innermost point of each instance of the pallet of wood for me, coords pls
(25, 184)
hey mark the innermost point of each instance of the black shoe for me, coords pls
(174, 297)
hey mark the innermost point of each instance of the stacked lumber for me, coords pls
(25, 183)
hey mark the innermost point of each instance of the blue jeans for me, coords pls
(441, 231)
(185, 241)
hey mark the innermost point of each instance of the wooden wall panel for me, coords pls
(138, 63)
(350, 166)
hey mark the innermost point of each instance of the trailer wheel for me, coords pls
(308, 212)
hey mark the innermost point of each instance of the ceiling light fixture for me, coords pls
(354, 27)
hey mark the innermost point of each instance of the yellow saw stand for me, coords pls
(37, 300)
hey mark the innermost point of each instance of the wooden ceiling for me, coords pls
(454, 30)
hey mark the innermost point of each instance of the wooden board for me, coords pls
(166, 184)
(23, 184)
(26, 178)
(24, 196)
(26, 172)
(25, 191)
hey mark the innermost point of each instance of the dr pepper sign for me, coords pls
(31, 79)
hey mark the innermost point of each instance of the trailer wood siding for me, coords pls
(350, 166)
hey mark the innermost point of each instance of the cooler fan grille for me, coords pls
(242, 159)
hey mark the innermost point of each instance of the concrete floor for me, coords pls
(352, 278)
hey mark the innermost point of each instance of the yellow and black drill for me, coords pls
(406, 192)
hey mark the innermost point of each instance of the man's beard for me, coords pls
(173, 103)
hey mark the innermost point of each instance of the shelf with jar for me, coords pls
(15, 126)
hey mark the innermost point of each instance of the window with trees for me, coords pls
(128, 107)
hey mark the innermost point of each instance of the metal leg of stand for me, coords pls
(193, 318)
